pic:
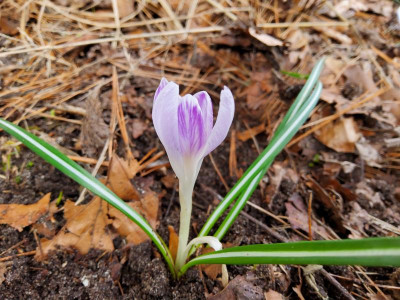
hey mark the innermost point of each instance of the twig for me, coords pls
(336, 284)
(218, 172)
(126, 37)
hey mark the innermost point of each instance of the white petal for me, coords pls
(224, 120)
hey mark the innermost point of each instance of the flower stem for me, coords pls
(185, 199)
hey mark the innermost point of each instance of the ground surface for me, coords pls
(345, 160)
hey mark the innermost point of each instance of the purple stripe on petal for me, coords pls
(165, 119)
(163, 83)
(190, 126)
(205, 103)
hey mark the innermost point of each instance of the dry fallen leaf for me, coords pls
(173, 241)
(330, 201)
(94, 131)
(20, 215)
(138, 127)
(87, 225)
(86, 228)
(272, 295)
(147, 207)
(125, 8)
(259, 87)
(120, 173)
(239, 288)
(266, 39)
(213, 270)
(340, 135)
(297, 214)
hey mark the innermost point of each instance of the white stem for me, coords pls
(185, 199)
(212, 241)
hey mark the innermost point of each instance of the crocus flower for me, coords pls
(186, 128)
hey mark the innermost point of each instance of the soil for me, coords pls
(138, 272)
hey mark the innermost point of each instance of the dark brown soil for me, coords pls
(138, 272)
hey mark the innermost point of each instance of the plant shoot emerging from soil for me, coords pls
(185, 128)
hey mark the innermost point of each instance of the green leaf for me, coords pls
(295, 74)
(379, 252)
(84, 178)
(296, 116)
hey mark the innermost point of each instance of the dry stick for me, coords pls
(147, 155)
(88, 160)
(232, 155)
(218, 172)
(385, 57)
(120, 114)
(154, 75)
(191, 12)
(370, 282)
(165, 5)
(38, 242)
(309, 210)
(338, 114)
(124, 24)
(259, 208)
(33, 252)
(304, 24)
(151, 160)
(336, 284)
(41, 110)
(13, 247)
(117, 22)
(112, 39)
(155, 169)
(223, 9)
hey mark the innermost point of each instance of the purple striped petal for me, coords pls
(192, 131)
(205, 103)
(165, 119)
(185, 126)
(162, 85)
(224, 121)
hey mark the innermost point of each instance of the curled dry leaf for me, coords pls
(340, 135)
(21, 215)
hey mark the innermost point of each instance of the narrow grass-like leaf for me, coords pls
(380, 252)
(308, 105)
(291, 123)
(84, 178)
(295, 74)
